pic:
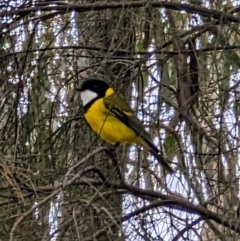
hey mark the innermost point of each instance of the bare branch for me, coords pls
(205, 12)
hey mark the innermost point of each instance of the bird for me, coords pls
(111, 117)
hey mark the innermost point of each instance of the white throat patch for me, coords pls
(87, 96)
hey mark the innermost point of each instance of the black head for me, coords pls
(94, 85)
(92, 89)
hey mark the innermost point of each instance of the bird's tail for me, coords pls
(155, 152)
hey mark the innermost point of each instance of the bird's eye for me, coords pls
(94, 87)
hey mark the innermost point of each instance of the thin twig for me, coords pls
(189, 8)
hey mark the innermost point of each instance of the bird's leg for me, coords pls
(113, 147)
(116, 145)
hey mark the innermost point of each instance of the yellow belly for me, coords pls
(108, 128)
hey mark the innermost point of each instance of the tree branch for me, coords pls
(183, 204)
(205, 12)
(167, 52)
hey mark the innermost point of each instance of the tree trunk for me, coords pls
(98, 217)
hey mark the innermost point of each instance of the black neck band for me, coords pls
(89, 104)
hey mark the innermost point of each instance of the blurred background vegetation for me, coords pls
(177, 62)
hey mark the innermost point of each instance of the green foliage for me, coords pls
(224, 85)
(170, 146)
(168, 82)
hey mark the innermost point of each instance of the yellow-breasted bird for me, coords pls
(111, 117)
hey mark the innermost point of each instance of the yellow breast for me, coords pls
(107, 126)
